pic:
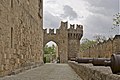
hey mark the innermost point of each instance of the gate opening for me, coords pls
(51, 53)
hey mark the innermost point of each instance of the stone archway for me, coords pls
(51, 36)
(67, 39)
(53, 56)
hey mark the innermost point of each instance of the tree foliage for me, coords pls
(99, 38)
(49, 49)
(116, 19)
(86, 43)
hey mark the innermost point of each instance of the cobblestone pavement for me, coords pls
(46, 72)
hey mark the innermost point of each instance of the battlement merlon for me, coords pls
(72, 26)
(57, 31)
(78, 29)
(64, 25)
(51, 31)
(45, 31)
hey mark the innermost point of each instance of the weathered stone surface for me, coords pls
(90, 72)
(21, 35)
(67, 40)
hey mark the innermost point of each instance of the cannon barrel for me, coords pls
(94, 61)
(101, 61)
(84, 60)
(113, 62)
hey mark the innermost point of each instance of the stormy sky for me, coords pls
(95, 15)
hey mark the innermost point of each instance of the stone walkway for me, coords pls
(47, 72)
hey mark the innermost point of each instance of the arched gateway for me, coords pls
(67, 39)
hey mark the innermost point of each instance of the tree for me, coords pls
(99, 38)
(49, 53)
(49, 49)
(86, 43)
(116, 19)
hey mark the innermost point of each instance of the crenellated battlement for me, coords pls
(76, 27)
(75, 31)
(64, 25)
(50, 31)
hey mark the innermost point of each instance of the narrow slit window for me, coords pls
(11, 4)
(11, 37)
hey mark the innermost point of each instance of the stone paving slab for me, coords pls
(47, 72)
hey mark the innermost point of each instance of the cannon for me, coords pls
(94, 61)
(113, 62)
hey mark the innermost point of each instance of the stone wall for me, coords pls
(90, 72)
(103, 49)
(60, 38)
(21, 35)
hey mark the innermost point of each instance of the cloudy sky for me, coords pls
(95, 15)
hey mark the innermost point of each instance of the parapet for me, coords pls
(75, 31)
(93, 72)
(79, 28)
(51, 31)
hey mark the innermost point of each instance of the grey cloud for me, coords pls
(51, 21)
(69, 13)
(101, 20)
(105, 7)
(99, 25)
(108, 4)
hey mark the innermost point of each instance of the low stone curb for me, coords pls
(90, 72)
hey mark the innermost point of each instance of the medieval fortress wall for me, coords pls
(67, 39)
(103, 49)
(21, 35)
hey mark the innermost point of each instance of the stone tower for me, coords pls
(74, 36)
(67, 40)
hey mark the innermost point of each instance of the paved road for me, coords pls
(47, 72)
